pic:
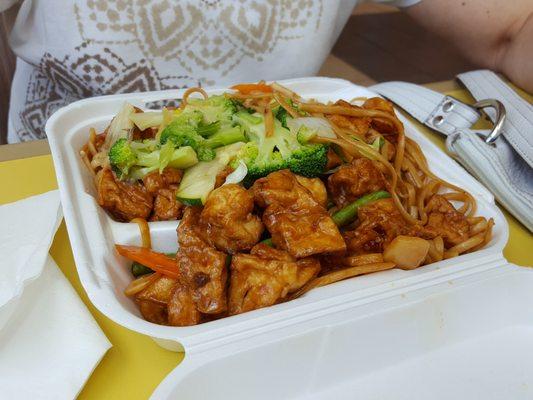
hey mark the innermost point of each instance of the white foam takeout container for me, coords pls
(459, 328)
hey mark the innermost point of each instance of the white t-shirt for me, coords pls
(68, 50)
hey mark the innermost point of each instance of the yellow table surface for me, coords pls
(135, 365)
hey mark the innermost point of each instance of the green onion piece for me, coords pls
(281, 116)
(138, 269)
(347, 214)
(378, 143)
(268, 242)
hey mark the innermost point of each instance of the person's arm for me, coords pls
(495, 34)
(7, 4)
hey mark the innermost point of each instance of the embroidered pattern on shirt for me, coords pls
(90, 71)
(199, 35)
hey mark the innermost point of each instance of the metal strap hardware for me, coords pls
(451, 114)
(489, 137)
(501, 114)
(504, 165)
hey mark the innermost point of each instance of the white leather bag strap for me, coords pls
(443, 113)
(507, 173)
(518, 130)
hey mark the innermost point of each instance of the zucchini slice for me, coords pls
(199, 180)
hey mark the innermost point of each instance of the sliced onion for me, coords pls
(120, 126)
(141, 283)
(322, 126)
(238, 175)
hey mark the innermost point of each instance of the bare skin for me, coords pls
(495, 34)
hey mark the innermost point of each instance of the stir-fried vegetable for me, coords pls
(347, 214)
(268, 242)
(157, 262)
(213, 109)
(267, 153)
(138, 269)
(206, 130)
(120, 127)
(407, 252)
(185, 136)
(199, 181)
(307, 128)
(192, 134)
(224, 137)
(134, 162)
(180, 158)
(141, 283)
(247, 88)
(181, 133)
(376, 144)
(122, 157)
(145, 120)
(238, 175)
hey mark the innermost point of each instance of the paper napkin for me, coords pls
(49, 342)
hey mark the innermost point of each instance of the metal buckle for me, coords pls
(501, 114)
(494, 133)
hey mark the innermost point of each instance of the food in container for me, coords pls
(277, 195)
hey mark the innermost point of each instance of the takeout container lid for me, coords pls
(324, 344)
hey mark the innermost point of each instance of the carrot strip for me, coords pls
(246, 88)
(157, 262)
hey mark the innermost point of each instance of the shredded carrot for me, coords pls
(246, 88)
(269, 122)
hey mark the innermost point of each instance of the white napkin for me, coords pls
(49, 342)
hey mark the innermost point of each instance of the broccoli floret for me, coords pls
(148, 159)
(226, 136)
(133, 160)
(263, 166)
(144, 145)
(192, 118)
(214, 108)
(179, 158)
(137, 173)
(305, 134)
(122, 157)
(281, 150)
(253, 124)
(180, 134)
(206, 130)
(248, 153)
(205, 153)
(310, 161)
(206, 149)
